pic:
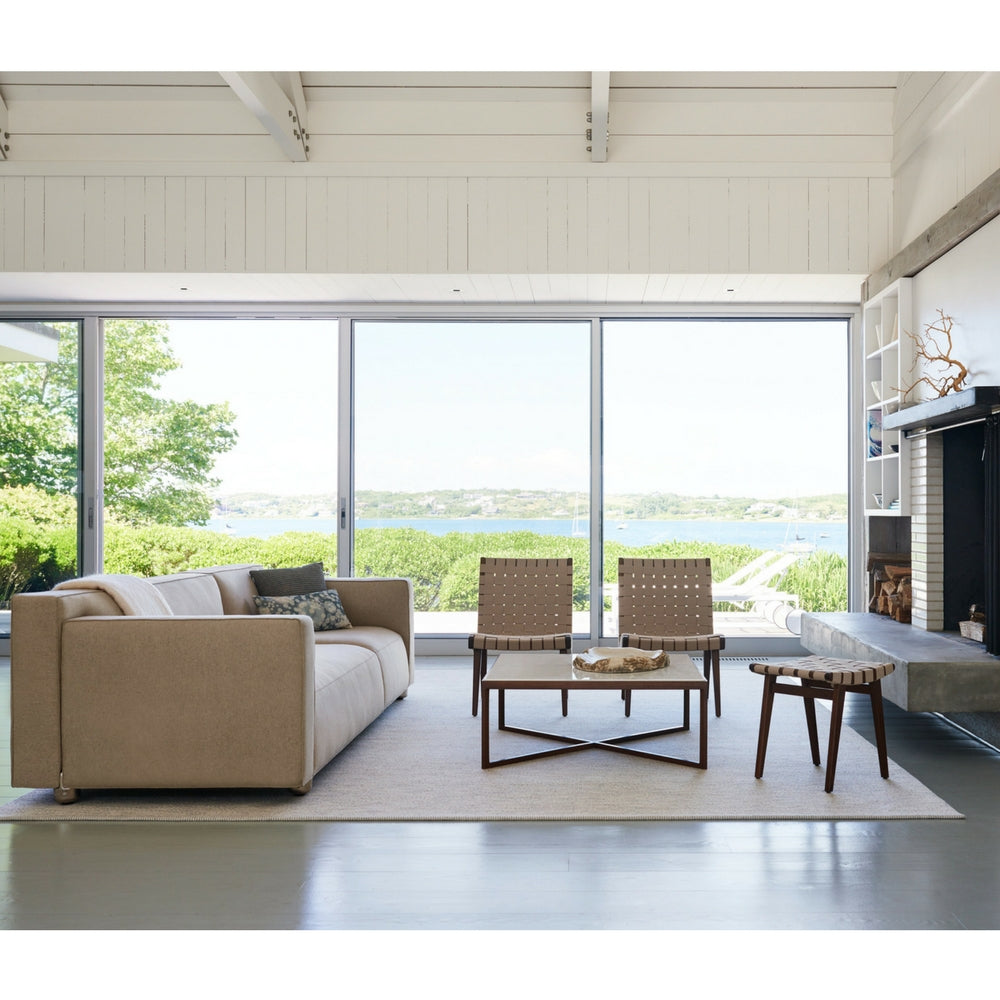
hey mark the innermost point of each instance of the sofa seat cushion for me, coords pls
(387, 645)
(349, 696)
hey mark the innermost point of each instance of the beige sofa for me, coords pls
(211, 695)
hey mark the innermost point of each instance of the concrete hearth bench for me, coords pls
(935, 671)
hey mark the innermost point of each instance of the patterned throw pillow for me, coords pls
(290, 581)
(322, 606)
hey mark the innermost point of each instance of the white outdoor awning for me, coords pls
(28, 342)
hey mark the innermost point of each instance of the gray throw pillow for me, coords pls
(323, 607)
(286, 582)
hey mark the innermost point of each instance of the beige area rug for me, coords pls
(421, 761)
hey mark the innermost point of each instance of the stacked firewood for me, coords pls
(893, 592)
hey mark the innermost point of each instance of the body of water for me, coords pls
(822, 535)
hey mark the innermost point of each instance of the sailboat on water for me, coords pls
(795, 541)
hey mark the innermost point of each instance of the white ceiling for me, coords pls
(54, 113)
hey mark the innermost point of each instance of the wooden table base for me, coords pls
(572, 743)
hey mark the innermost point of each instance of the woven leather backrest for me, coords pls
(525, 596)
(665, 596)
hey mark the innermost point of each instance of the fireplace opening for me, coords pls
(964, 541)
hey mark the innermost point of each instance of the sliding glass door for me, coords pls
(470, 439)
(728, 439)
(220, 443)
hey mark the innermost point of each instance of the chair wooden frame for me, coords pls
(524, 605)
(667, 604)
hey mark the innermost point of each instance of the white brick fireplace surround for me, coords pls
(927, 531)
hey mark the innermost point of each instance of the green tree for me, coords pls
(38, 421)
(159, 453)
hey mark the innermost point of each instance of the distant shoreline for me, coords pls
(763, 533)
(536, 505)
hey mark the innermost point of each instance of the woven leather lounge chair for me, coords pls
(524, 604)
(667, 604)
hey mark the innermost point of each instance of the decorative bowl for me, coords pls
(619, 660)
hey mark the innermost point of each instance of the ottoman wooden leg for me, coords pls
(836, 720)
(810, 706)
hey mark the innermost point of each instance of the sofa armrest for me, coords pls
(36, 630)
(199, 701)
(382, 601)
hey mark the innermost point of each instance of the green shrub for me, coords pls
(39, 551)
(418, 555)
(37, 539)
(460, 587)
(29, 503)
(820, 581)
(23, 549)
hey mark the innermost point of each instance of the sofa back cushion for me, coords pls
(236, 587)
(190, 593)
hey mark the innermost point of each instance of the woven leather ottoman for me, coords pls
(830, 679)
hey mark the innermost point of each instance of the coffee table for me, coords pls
(555, 671)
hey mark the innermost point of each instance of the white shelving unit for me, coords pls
(888, 370)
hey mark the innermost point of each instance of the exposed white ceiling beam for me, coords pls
(600, 93)
(297, 95)
(263, 95)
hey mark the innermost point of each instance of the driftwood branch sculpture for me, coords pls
(931, 350)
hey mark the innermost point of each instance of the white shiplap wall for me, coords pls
(419, 224)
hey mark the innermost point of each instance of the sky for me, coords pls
(280, 378)
(692, 407)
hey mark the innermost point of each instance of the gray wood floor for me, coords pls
(528, 876)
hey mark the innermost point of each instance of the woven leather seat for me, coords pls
(524, 604)
(826, 668)
(830, 679)
(667, 604)
(517, 643)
